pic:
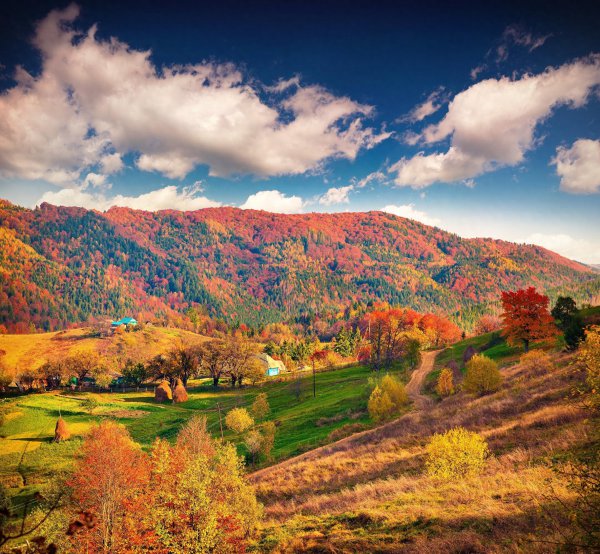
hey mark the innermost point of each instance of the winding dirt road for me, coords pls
(413, 388)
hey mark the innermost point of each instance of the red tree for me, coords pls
(526, 317)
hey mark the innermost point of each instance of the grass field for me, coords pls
(28, 352)
(28, 457)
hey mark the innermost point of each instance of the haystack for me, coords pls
(61, 433)
(163, 392)
(179, 394)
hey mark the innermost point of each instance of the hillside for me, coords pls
(24, 352)
(64, 265)
(371, 493)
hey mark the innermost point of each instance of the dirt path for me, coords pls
(413, 388)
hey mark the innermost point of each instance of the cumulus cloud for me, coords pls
(409, 211)
(166, 198)
(336, 195)
(492, 123)
(96, 100)
(431, 105)
(375, 177)
(581, 250)
(579, 166)
(273, 201)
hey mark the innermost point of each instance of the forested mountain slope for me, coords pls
(64, 265)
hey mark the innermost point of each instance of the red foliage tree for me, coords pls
(526, 317)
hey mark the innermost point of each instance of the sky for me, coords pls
(479, 118)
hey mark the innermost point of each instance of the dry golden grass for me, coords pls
(372, 494)
(28, 352)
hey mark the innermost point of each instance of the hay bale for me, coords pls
(61, 432)
(179, 394)
(163, 392)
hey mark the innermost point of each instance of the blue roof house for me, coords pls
(124, 321)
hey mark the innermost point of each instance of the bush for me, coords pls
(387, 399)
(456, 453)
(445, 383)
(483, 376)
(239, 420)
(589, 358)
(163, 392)
(253, 442)
(61, 432)
(89, 404)
(468, 354)
(180, 394)
(536, 361)
(260, 407)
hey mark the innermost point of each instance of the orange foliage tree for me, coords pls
(526, 317)
(109, 486)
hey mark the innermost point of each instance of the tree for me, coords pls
(455, 454)
(260, 407)
(195, 439)
(445, 384)
(268, 429)
(488, 324)
(240, 355)
(526, 317)
(536, 361)
(183, 361)
(569, 322)
(238, 420)
(253, 442)
(482, 377)
(211, 355)
(81, 364)
(387, 399)
(134, 373)
(108, 483)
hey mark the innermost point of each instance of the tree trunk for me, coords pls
(526, 344)
(233, 380)
(240, 381)
(215, 381)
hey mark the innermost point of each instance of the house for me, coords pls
(272, 367)
(126, 321)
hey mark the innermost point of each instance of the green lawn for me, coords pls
(28, 457)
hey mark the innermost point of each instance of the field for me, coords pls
(29, 457)
(27, 352)
(371, 494)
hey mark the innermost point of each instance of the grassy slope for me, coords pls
(31, 351)
(372, 495)
(28, 458)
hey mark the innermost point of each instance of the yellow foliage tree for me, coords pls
(445, 383)
(387, 399)
(483, 376)
(589, 358)
(456, 453)
(238, 420)
(260, 407)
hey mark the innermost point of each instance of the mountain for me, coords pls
(61, 265)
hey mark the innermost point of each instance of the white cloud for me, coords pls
(431, 105)
(95, 180)
(492, 123)
(337, 195)
(166, 198)
(409, 211)
(94, 98)
(581, 250)
(273, 201)
(375, 177)
(579, 166)
(474, 73)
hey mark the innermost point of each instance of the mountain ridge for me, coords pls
(254, 266)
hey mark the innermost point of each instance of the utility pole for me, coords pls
(220, 420)
(314, 380)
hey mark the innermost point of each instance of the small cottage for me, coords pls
(272, 367)
(126, 321)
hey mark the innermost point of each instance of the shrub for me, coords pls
(239, 420)
(89, 404)
(468, 354)
(195, 438)
(482, 376)
(179, 394)
(61, 432)
(456, 453)
(445, 383)
(387, 399)
(163, 392)
(253, 442)
(589, 358)
(536, 361)
(260, 407)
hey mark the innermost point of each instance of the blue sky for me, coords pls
(483, 119)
